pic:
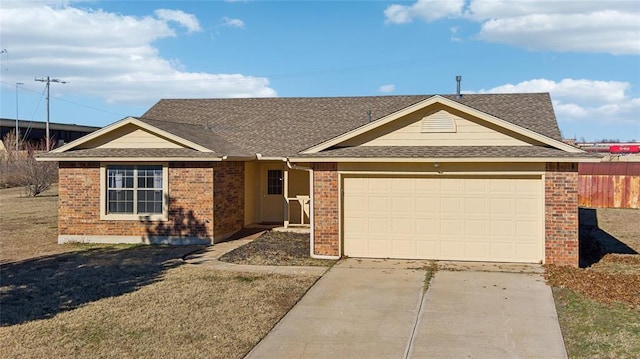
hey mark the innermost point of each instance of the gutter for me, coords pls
(311, 210)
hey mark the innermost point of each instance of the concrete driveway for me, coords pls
(378, 309)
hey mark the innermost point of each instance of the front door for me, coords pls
(271, 193)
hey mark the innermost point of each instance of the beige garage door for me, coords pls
(459, 218)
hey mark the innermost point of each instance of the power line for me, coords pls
(48, 80)
(62, 100)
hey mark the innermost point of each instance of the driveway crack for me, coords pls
(415, 323)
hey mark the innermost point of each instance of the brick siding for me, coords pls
(228, 189)
(325, 209)
(190, 208)
(561, 214)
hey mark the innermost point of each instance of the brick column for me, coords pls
(325, 209)
(561, 214)
(228, 198)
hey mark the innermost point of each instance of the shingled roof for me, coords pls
(281, 127)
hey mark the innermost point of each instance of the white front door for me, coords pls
(272, 193)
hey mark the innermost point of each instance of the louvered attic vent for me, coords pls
(439, 122)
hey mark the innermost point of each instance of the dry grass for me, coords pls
(186, 313)
(595, 330)
(276, 248)
(114, 301)
(599, 306)
(29, 225)
(623, 224)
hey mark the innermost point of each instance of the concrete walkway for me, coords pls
(378, 309)
(209, 258)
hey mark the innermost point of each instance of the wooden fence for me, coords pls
(609, 184)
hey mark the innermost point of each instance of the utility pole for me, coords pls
(17, 117)
(49, 80)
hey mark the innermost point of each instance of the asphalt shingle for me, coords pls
(445, 152)
(132, 153)
(285, 126)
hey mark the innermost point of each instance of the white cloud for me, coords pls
(108, 55)
(237, 23)
(427, 10)
(578, 26)
(454, 34)
(582, 100)
(187, 20)
(387, 88)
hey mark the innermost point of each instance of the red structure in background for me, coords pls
(624, 149)
(609, 147)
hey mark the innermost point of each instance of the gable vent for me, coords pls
(439, 122)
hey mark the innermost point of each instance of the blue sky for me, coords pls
(120, 57)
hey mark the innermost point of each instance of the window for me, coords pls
(134, 190)
(274, 182)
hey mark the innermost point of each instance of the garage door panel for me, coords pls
(475, 227)
(427, 205)
(526, 228)
(378, 203)
(403, 248)
(426, 249)
(501, 206)
(527, 206)
(501, 228)
(477, 250)
(501, 250)
(450, 249)
(450, 226)
(451, 205)
(403, 204)
(356, 205)
(462, 218)
(382, 185)
(475, 206)
(523, 249)
(427, 228)
(400, 226)
(450, 184)
(502, 186)
(378, 225)
(403, 185)
(379, 247)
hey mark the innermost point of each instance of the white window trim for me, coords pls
(134, 216)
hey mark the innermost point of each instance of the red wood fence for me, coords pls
(609, 184)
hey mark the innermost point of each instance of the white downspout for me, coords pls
(311, 216)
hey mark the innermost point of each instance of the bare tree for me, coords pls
(20, 169)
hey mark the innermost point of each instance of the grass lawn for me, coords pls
(105, 301)
(599, 306)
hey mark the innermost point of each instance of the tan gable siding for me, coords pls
(408, 132)
(130, 136)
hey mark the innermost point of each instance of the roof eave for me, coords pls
(129, 159)
(446, 159)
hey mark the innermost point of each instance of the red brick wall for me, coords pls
(325, 209)
(191, 204)
(190, 201)
(228, 198)
(561, 214)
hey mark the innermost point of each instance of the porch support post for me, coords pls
(286, 197)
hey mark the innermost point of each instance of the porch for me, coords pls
(277, 196)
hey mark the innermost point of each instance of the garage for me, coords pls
(475, 218)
